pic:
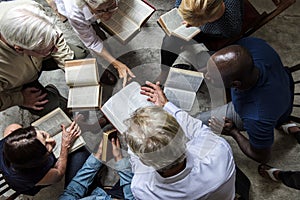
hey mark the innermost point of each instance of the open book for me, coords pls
(171, 23)
(106, 144)
(122, 104)
(51, 124)
(82, 77)
(181, 87)
(126, 22)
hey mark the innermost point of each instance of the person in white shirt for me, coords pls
(82, 15)
(175, 156)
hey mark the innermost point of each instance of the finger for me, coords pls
(40, 103)
(63, 127)
(113, 142)
(37, 107)
(124, 80)
(147, 89)
(130, 73)
(33, 89)
(147, 93)
(118, 143)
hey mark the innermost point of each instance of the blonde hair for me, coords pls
(156, 137)
(198, 12)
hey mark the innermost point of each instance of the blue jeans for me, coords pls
(79, 185)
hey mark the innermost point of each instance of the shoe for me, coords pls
(108, 78)
(285, 127)
(267, 171)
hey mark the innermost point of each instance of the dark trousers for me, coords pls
(290, 178)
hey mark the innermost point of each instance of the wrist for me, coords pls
(234, 133)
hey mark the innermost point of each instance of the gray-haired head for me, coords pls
(26, 25)
(156, 137)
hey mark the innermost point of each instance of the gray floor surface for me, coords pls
(142, 54)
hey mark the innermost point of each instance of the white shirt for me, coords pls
(81, 20)
(209, 172)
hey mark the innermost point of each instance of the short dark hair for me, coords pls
(22, 149)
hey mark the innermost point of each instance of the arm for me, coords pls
(124, 169)
(190, 125)
(56, 173)
(229, 128)
(92, 41)
(63, 52)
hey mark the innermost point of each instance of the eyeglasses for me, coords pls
(110, 9)
(47, 52)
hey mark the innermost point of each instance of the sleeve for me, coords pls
(261, 134)
(9, 98)
(177, 3)
(191, 126)
(63, 51)
(87, 34)
(124, 170)
(79, 185)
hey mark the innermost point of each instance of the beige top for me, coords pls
(18, 69)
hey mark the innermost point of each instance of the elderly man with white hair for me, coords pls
(175, 156)
(83, 16)
(29, 44)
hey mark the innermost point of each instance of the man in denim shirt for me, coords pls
(79, 185)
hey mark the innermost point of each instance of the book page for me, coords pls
(120, 25)
(51, 122)
(171, 20)
(186, 33)
(82, 75)
(136, 10)
(119, 107)
(181, 98)
(184, 79)
(84, 97)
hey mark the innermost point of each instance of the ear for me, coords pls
(18, 49)
(236, 84)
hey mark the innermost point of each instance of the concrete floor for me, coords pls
(142, 53)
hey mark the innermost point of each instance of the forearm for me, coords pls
(61, 163)
(261, 156)
(107, 56)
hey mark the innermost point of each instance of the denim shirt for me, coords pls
(78, 187)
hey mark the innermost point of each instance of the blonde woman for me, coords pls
(215, 18)
(82, 15)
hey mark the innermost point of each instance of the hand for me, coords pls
(155, 93)
(34, 98)
(70, 134)
(116, 149)
(225, 126)
(186, 24)
(123, 70)
(98, 154)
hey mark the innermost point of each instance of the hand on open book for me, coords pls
(70, 134)
(155, 93)
(123, 71)
(116, 149)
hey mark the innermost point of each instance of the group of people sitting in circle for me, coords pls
(172, 154)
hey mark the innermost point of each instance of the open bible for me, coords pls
(171, 23)
(106, 144)
(181, 87)
(126, 22)
(122, 104)
(51, 124)
(82, 77)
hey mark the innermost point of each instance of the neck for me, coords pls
(174, 170)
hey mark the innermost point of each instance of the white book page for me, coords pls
(84, 97)
(186, 33)
(182, 99)
(136, 10)
(172, 20)
(82, 75)
(50, 123)
(120, 106)
(184, 79)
